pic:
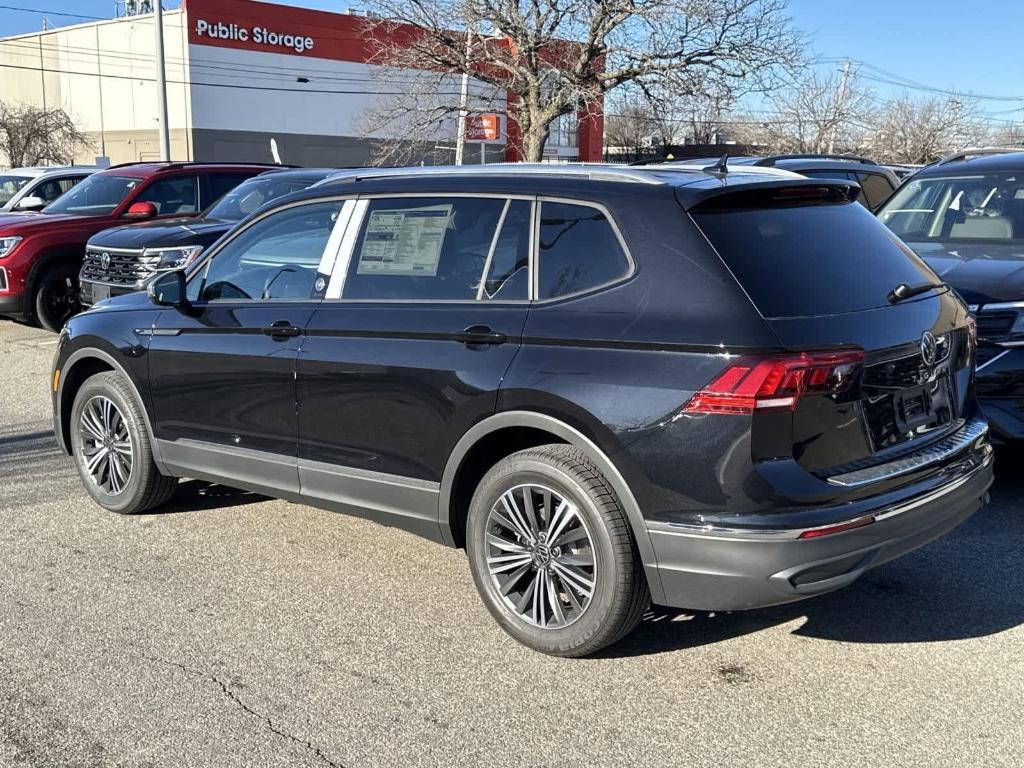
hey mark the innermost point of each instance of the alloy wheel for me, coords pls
(106, 445)
(540, 556)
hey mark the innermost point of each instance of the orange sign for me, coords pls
(483, 127)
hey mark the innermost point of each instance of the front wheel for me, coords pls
(552, 553)
(112, 450)
(57, 299)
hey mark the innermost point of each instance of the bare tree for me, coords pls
(558, 57)
(631, 128)
(923, 130)
(34, 136)
(820, 113)
(1008, 135)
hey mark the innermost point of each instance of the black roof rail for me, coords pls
(978, 152)
(189, 163)
(813, 156)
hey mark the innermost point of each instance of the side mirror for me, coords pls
(31, 203)
(141, 211)
(169, 289)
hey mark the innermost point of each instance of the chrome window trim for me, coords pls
(490, 250)
(201, 267)
(335, 239)
(347, 246)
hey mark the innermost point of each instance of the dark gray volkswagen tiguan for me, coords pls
(707, 388)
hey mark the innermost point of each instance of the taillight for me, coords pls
(775, 383)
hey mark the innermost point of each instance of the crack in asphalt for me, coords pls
(308, 745)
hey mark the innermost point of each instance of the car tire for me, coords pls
(552, 505)
(56, 298)
(112, 449)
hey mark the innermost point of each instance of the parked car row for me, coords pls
(41, 254)
(714, 386)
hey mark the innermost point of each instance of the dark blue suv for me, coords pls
(965, 217)
(710, 388)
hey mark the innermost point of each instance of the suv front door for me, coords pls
(222, 373)
(423, 316)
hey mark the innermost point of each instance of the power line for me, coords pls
(52, 13)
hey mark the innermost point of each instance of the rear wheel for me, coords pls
(552, 553)
(56, 298)
(112, 449)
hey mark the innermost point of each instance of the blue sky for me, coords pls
(947, 44)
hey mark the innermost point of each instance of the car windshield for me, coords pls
(97, 195)
(250, 195)
(9, 186)
(976, 207)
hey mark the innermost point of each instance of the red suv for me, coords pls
(41, 255)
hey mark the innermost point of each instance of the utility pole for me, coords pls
(161, 83)
(840, 107)
(460, 143)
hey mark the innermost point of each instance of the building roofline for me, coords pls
(87, 24)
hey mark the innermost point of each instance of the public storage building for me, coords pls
(240, 73)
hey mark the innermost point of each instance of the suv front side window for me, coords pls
(988, 207)
(423, 248)
(274, 259)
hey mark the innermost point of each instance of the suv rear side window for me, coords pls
(422, 248)
(578, 250)
(216, 185)
(179, 194)
(798, 260)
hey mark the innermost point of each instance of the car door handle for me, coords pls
(279, 330)
(480, 334)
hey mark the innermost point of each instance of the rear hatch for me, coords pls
(821, 270)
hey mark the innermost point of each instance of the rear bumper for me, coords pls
(733, 570)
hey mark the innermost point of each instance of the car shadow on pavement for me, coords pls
(199, 496)
(968, 584)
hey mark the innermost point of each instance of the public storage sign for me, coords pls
(258, 35)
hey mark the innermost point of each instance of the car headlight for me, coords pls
(7, 244)
(176, 258)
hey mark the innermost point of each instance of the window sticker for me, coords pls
(406, 241)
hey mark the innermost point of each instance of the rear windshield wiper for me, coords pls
(905, 291)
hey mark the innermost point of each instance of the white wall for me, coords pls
(242, 90)
(101, 74)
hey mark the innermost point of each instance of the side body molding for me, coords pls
(574, 437)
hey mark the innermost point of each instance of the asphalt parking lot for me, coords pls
(232, 630)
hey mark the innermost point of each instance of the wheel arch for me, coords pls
(49, 257)
(78, 368)
(524, 429)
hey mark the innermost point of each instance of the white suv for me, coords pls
(32, 189)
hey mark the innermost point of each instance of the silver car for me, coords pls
(32, 189)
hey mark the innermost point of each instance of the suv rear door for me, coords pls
(409, 346)
(821, 274)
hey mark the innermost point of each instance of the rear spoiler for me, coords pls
(768, 194)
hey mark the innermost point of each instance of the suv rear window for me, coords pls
(798, 260)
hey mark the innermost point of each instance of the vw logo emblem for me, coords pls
(929, 349)
(105, 260)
